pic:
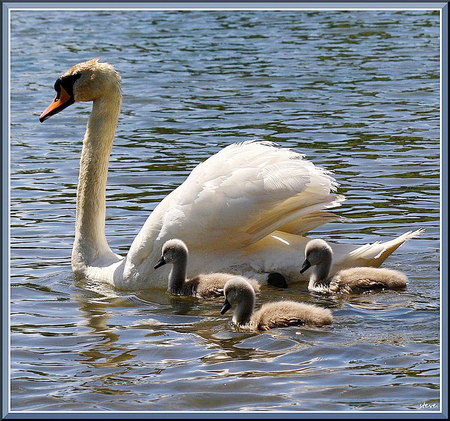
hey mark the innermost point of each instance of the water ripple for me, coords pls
(356, 91)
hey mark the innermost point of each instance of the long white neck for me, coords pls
(90, 240)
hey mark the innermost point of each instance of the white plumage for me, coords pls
(245, 209)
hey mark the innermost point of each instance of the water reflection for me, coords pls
(158, 317)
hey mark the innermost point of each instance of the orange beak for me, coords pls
(62, 100)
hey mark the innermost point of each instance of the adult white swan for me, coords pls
(245, 209)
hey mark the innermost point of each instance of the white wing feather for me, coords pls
(245, 192)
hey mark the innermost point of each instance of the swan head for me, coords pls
(173, 251)
(87, 81)
(317, 252)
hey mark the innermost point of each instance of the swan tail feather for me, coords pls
(373, 254)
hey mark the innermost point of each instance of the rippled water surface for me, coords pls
(356, 91)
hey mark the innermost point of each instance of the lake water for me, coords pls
(357, 91)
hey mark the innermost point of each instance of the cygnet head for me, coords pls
(239, 292)
(173, 251)
(317, 252)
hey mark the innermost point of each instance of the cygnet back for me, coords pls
(287, 313)
(361, 279)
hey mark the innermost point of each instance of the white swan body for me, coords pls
(318, 255)
(204, 285)
(244, 210)
(240, 293)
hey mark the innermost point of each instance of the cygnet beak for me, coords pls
(306, 265)
(161, 262)
(226, 307)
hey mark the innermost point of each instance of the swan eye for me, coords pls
(67, 83)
